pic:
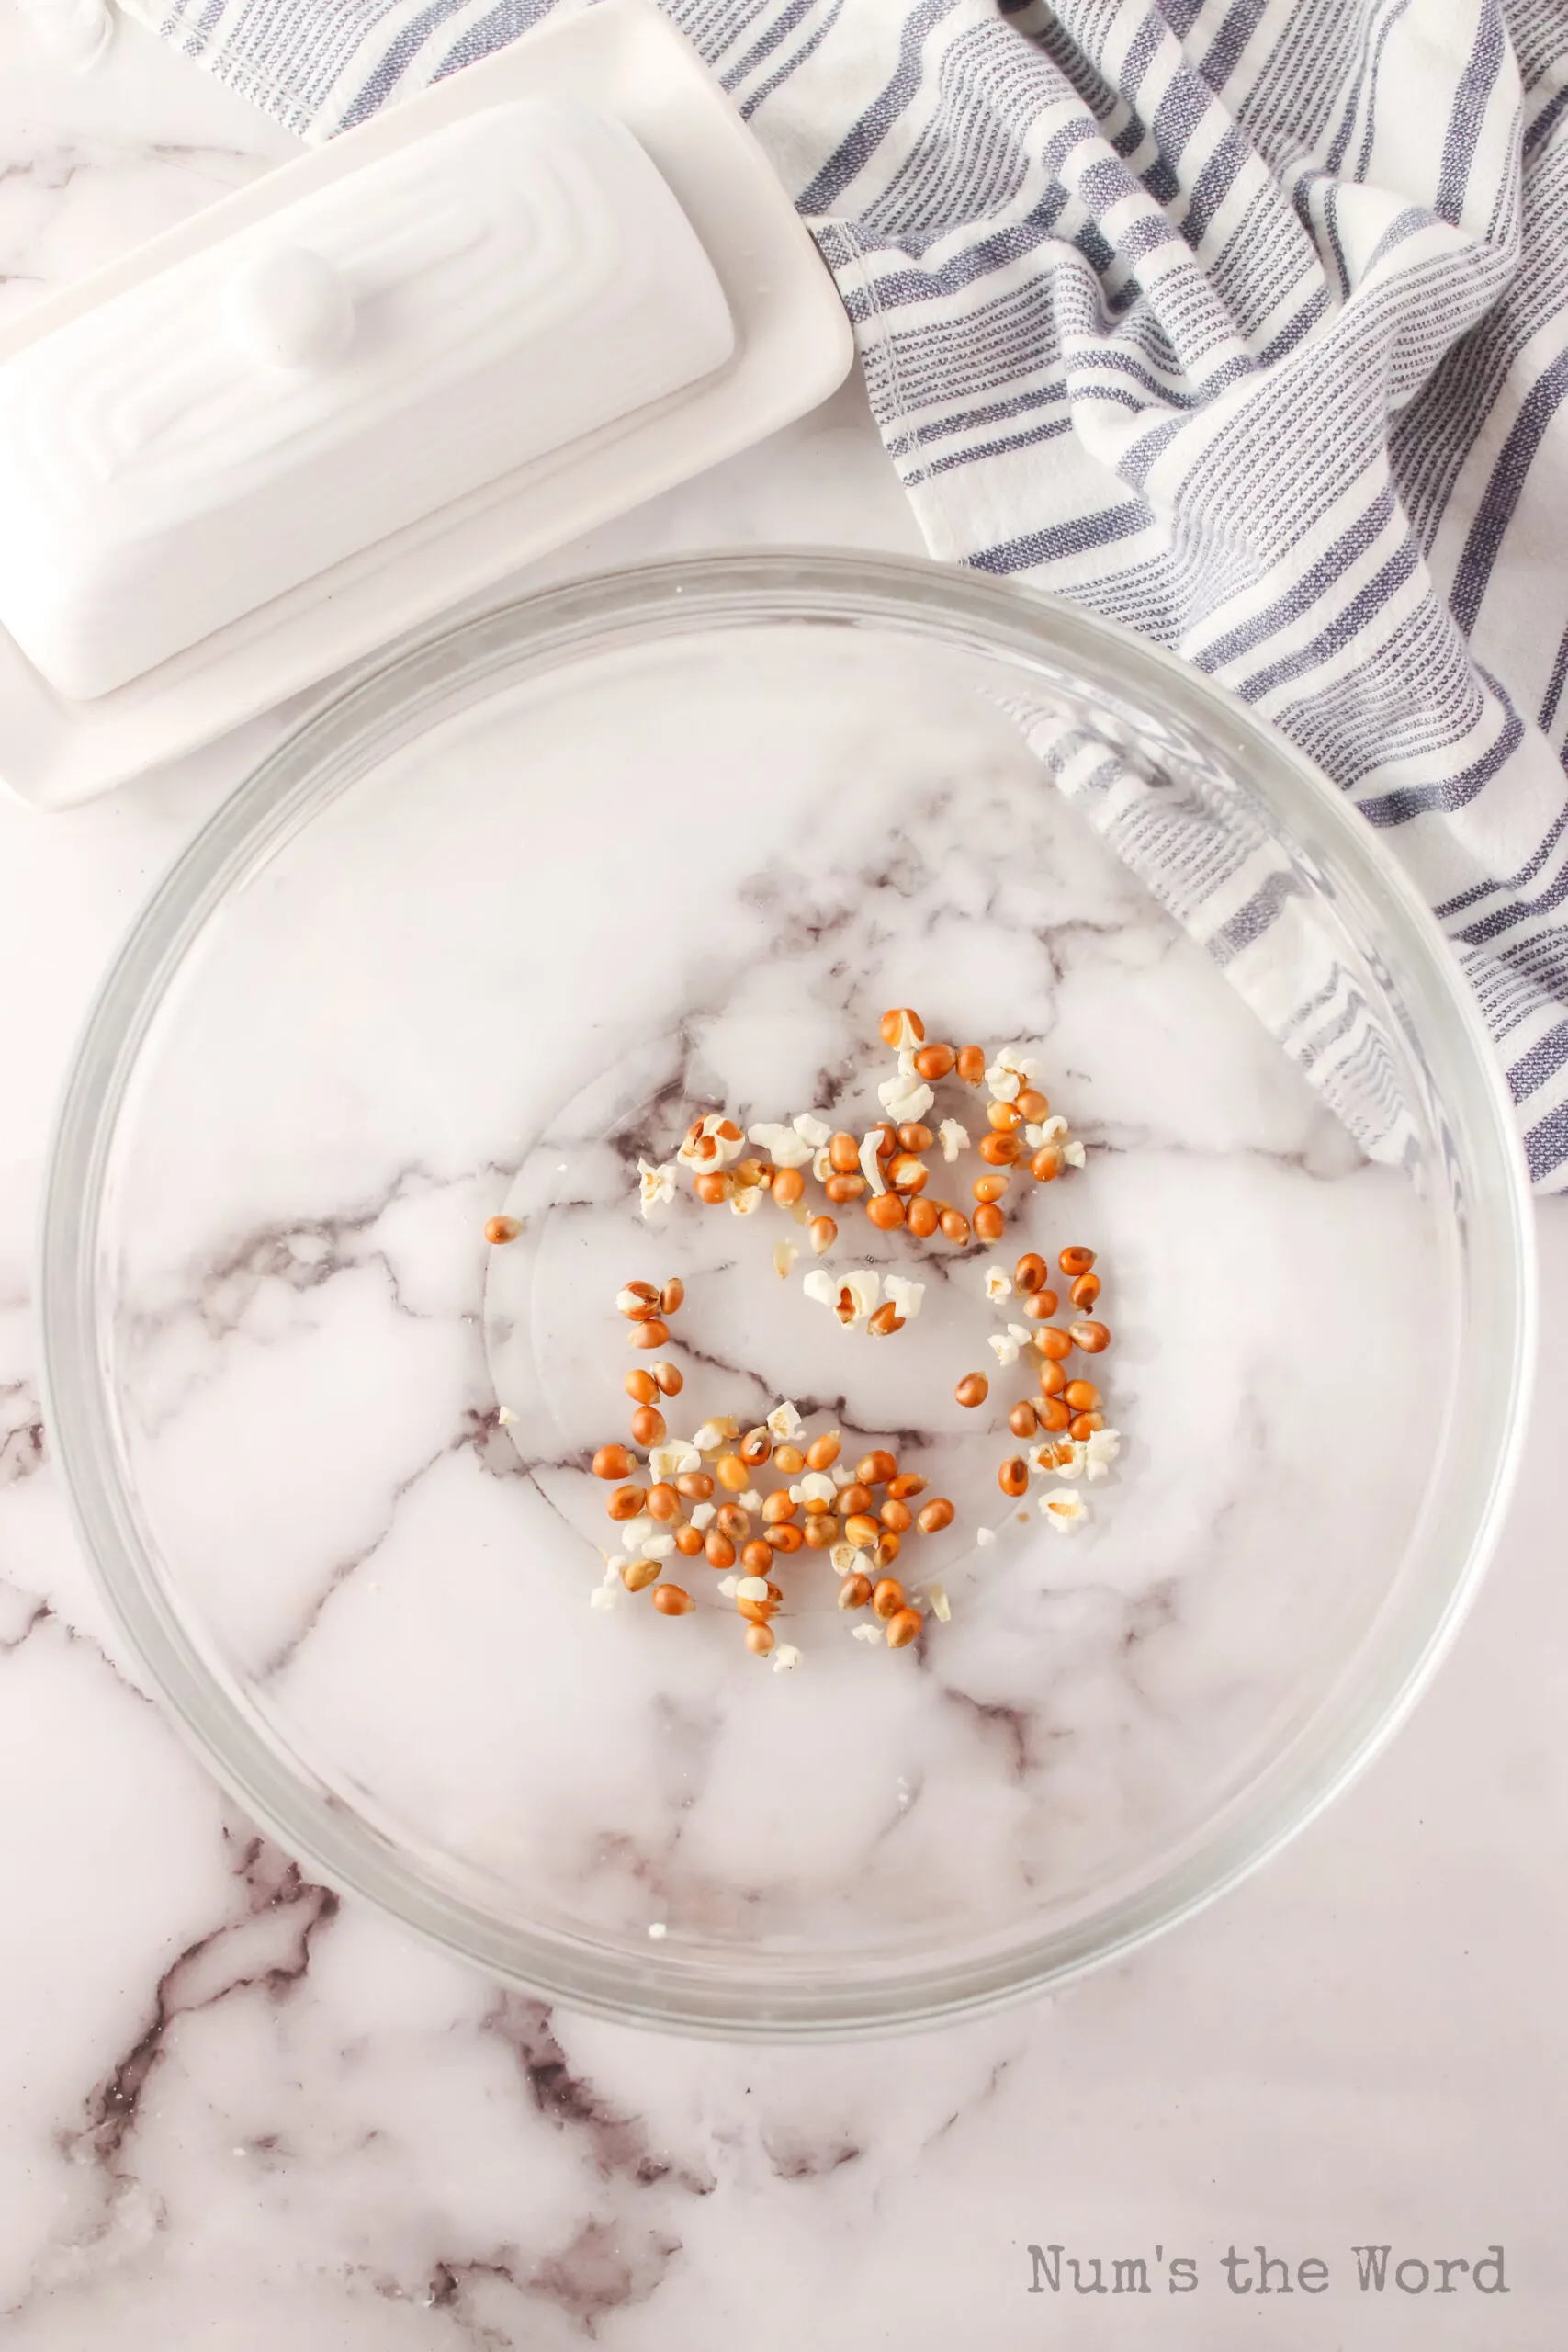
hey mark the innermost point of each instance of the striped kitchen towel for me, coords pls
(1243, 322)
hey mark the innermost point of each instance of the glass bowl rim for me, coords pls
(383, 703)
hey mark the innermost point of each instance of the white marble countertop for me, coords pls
(234, 2111)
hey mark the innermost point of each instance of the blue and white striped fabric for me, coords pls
(1243, 322)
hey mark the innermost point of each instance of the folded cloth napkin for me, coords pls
(1243, 322)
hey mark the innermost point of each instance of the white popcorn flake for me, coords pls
(907, 1061)
(868, 1634)
(844, 1558)
(984, 1535)
(658, 1547)
(786, 1147)
(751, 1499)
(1073, 1153)
(704, 1515)
(998, 1286)
(905, 1098)
(870, 1166)
(786, 1657)
(614, 1563)
(784, 1255)
(635, 1532)
(726, 1147)
(1065, 1510)
(864, 1287)
(746, 1198)
(751, 1589)
(842, 1475)
(811, 1129)
(656, 1927)
(655, 1185)
(1100, 1449)
(905, 1295)
(714, 1436)
(1053, 1455)
(666, 1463)
(505, 1417)
(1021, 1333)
(785, 1424)
(953, 1138)
(821, 1287)
(1003, 1346)
(816, 1487)
(604, 1596)
(941, 1607)
(822, 1167)
(1010, 1072)
(729, 1587)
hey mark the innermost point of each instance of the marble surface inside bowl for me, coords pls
(515, 958)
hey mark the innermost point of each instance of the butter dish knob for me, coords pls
(287, 307)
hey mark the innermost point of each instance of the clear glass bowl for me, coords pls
(500, 920)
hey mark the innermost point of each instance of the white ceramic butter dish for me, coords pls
(363, 391)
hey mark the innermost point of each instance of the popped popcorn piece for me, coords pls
(714, 1436)
(726, 1139)
(870, 1166)
(745, 1198)
(704, 1515)
(614, 1563)
(845, 1558)
(852, 1295)
(604, 1596)
(984, 1535)
(786, 1147)
(1059, 1455)
(655, 1185)
(906, 1061)
(822, 1167)
(750, 1500)
(668, 1463)
(906, 1097)
(658, 1547)
(941, 1607)
(505, 1417)
(953, 1138)
(784, 1255)
(635, 1532)
(811, 1129)
(1100, 1449)
(786, 1657)
(1010, 1072)
(813, 1487)
(998, 1286)
(1004, 1347)
(1065, 1510)
(728, 1586)
(656, 1927)
(785, 1424)
(842, 1475)
(868, 1634)
(1055, 1130)
(905, 1295)
(751, 1589)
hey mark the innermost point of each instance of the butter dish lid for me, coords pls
(361, 392)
